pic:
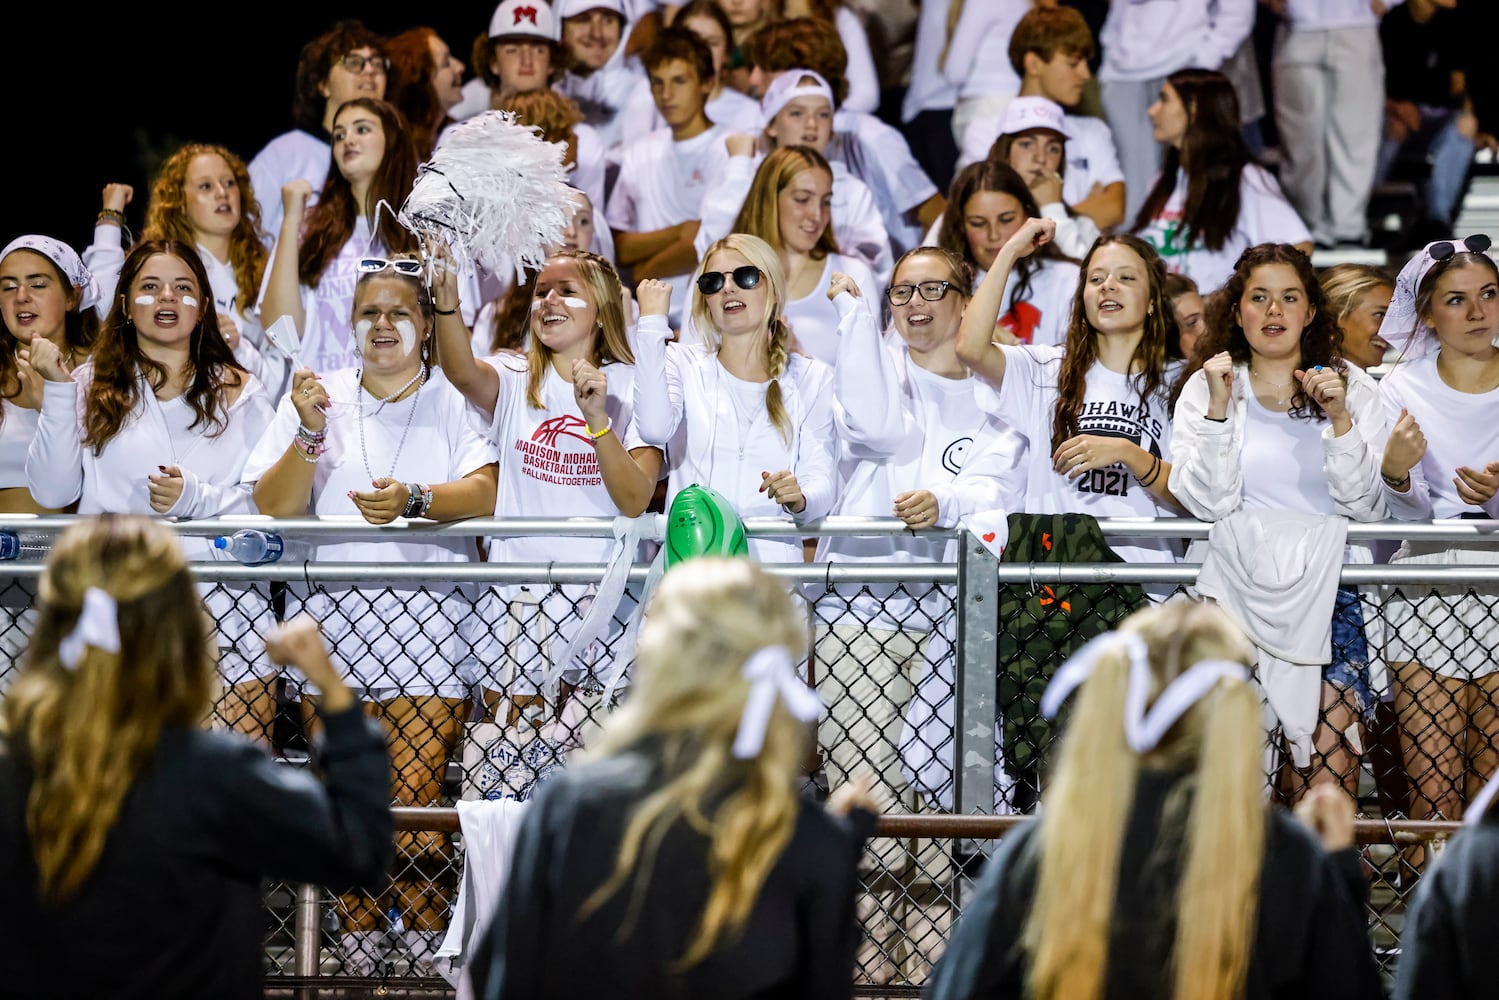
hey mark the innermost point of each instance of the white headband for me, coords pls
(98, 626)
(771, 673)
(67, 261)
(1401, 326)
(1143, 729)
(788, 87)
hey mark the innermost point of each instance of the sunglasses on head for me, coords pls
(712, 282)
(1477, 243)
(374, 265)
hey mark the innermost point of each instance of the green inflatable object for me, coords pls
(702, 522)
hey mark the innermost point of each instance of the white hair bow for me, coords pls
(98, 626)
(1143, 729)
(771, 673)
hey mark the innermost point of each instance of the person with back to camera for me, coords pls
(1211, 201)
(1156, 868)
(679, 857)
(344, 62)
(113, 803)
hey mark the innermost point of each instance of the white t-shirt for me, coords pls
(285, 158)
(878, 154)
(732, 110)
(16, 431)
(1111, 408)
(400, 637)
(1283, 462)
(1150, 39)
(978, 59)
(1042, 317)
(1092, 157)
(328, 339)
(1459, 428)
(660, 184)
(1265, 216)
(814, 320)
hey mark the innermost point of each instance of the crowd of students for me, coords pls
(761, 289)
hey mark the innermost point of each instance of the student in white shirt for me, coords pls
(789, 207)
(202, 196)
(315, 263)
(1093, 411)
(158, 421)
(599, 74)
(657, 197)
(519, 52)
(866, 145)
(739, 412)
(1050, 49)
(987, 205)
(798, 111)
(1442, 461)
(557, 416)
(1033, 138)
(732, 109)
(387, 440)
(1359, 296)
(344, 62)
(912, 443)
(1270, 417)
(1211, 201)
(46, 293)
(863, 94)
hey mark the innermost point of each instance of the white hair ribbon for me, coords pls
(1143, 728)
(98, 626)
(771, 674)
(67, 261)
(1401, 324)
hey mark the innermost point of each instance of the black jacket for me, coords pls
(174, 907)
(1447, 940)
(1311, 938)
(799, 940)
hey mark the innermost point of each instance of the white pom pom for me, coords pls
(495, 191)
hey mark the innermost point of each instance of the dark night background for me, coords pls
(104, 95)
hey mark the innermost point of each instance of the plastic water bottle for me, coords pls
(251, 546)
(12, 547)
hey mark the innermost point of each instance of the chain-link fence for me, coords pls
(932, 674)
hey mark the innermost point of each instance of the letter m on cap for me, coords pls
(529, 13)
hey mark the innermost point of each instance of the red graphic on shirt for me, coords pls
(1023, 320)
(529, 13)
(543, 456)
(549, 430)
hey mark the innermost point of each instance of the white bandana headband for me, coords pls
(771, 674)
(788, 87)
(98, 626)
(67, 261)
(1401, 325)
(1143, 729)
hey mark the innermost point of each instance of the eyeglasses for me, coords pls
(355, 63)
(374, 265)
(899, 295)
(746, 277)
(1477, 243)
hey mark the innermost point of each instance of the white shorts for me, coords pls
(1451, 629)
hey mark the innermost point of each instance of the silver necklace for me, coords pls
(1277, 386)
(420, 379)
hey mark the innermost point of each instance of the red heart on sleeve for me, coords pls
(988, 536)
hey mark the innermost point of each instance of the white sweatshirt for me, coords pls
(1149, 39)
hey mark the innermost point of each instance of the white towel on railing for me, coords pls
(489, 828)
(1276, 574)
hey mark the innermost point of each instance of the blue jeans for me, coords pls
(1449, 152)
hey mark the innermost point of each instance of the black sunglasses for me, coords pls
(1477, 243)
(746, 277)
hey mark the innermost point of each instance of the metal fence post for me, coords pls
(977, 687)
(306, 931)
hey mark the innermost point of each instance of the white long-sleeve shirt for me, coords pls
(902, 428)
(285, 158)
(1208, 455)
(1150, 39)
(1459, 428)
(685, 404)
(857, 224)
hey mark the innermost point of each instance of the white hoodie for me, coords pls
(1150, 39)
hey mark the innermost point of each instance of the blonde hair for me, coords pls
(1087, 809)
(1343, 285)
(89, 730)
(609, 343)
(707, 617)
(761, 212)
(778, 334)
